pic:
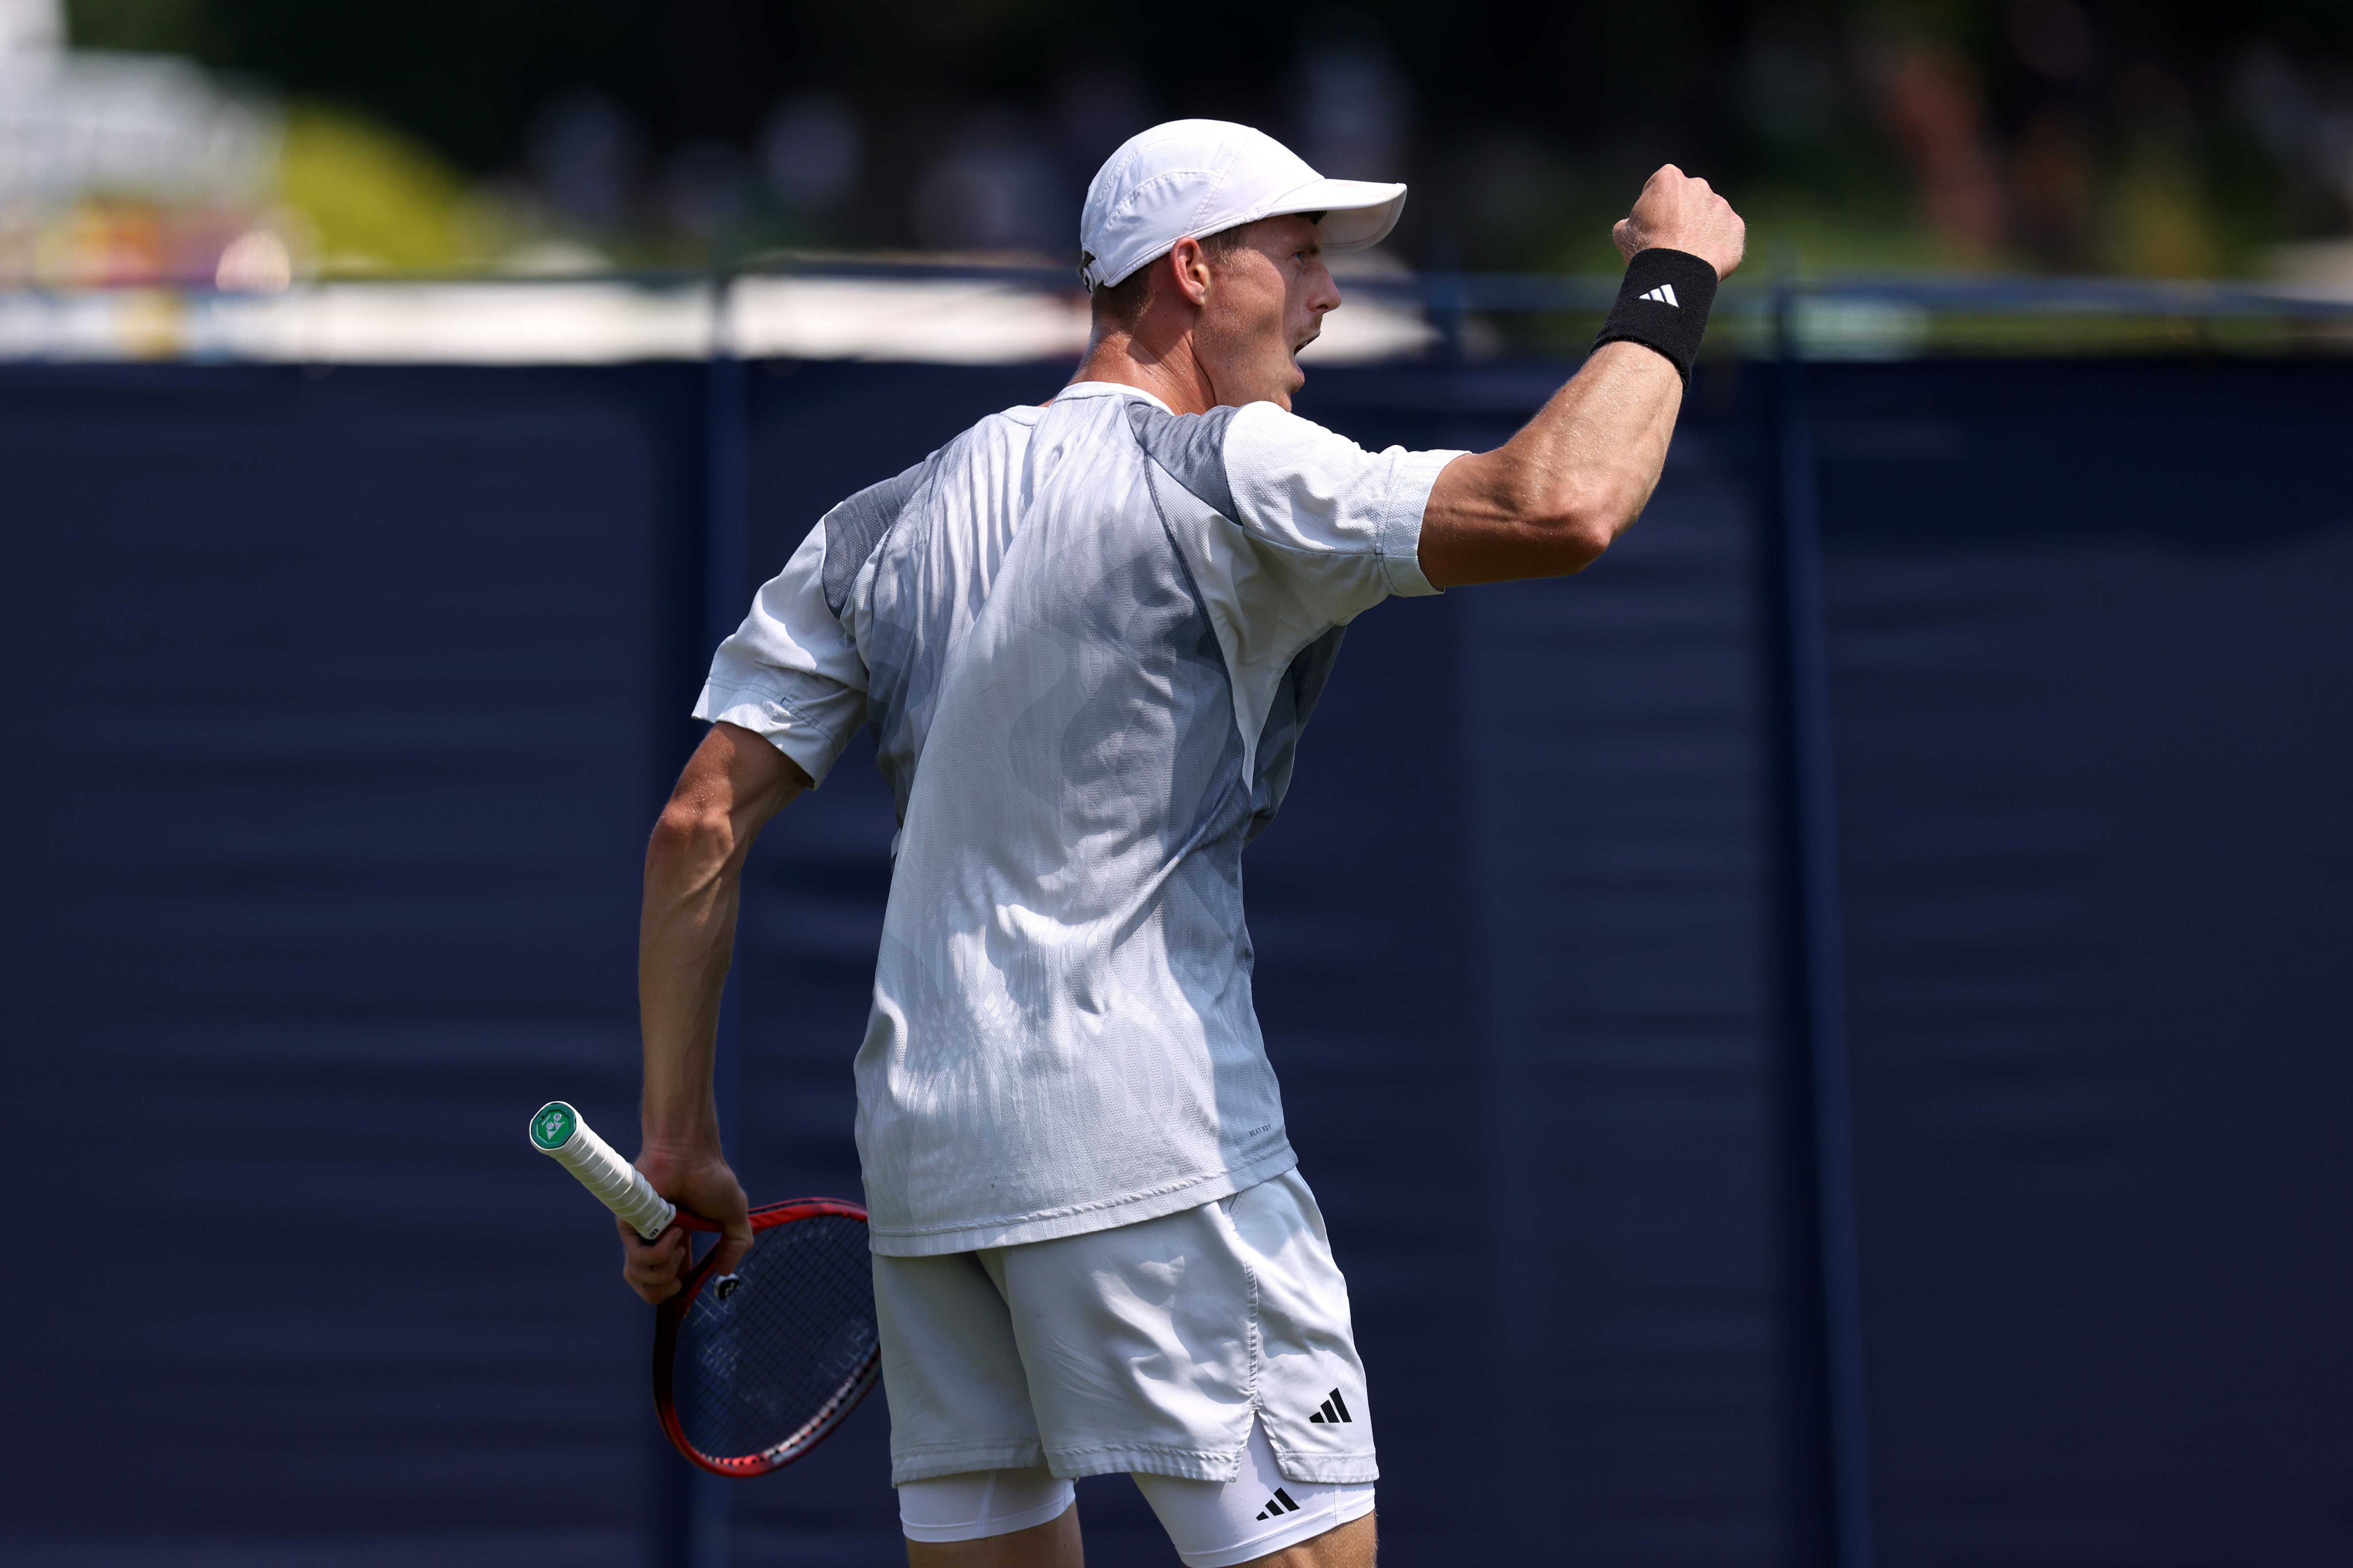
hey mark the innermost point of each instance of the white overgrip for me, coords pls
(621, 1186)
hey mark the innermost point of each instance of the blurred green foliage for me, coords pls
(374, 198)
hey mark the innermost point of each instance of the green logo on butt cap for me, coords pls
(551, 1127)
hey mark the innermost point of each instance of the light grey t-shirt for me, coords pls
(1087, 636)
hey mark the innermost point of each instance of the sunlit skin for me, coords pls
(1217, 329)
(686, 933)
(1223, 328)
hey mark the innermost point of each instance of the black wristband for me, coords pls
(1662, 305)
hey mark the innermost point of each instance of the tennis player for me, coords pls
(1088, 636)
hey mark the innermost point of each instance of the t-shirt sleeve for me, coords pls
(791, 673)
(1346, 522)
(1289, 531)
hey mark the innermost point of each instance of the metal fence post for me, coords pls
(711, 1513)
(1816, 980)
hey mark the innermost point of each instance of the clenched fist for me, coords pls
(1676, 212)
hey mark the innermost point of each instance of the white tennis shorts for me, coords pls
(1149, 1348)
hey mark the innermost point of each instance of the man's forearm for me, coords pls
(1593, 456)
(686, 927)
(686, 936)
(1553, 497)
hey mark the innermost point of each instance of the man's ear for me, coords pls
(1191, 265)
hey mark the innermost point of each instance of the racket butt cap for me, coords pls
(553, 1126)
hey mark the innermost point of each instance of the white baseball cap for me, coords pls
(1198, 176)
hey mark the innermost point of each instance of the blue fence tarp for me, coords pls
(340, 704)
(2096, 805)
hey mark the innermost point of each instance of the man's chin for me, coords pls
(1277, 383)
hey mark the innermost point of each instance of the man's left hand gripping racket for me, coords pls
(754, 1369)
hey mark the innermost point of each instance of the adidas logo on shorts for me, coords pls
(1335, 1411)
(1278, 1505)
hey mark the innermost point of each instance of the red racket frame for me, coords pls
(670, 1313)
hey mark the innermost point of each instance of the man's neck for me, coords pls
(1171, 375)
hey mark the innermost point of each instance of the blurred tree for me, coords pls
(2058, 134)
(463, 75)
(145, 26)
(372, 198)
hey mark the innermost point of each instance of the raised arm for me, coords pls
(695, 865)
(1553, 497)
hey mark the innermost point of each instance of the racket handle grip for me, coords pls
(563, 1135)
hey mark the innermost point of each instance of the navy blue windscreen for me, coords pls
(339, 706)
(336, 708)
(2091, 646)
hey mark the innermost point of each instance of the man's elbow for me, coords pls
(691, 835)
(1578, 528)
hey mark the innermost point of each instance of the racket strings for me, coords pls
(792, 1340)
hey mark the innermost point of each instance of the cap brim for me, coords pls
(1357, 212)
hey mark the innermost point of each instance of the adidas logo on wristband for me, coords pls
(1681, 282)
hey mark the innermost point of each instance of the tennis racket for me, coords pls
(753, 1369)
